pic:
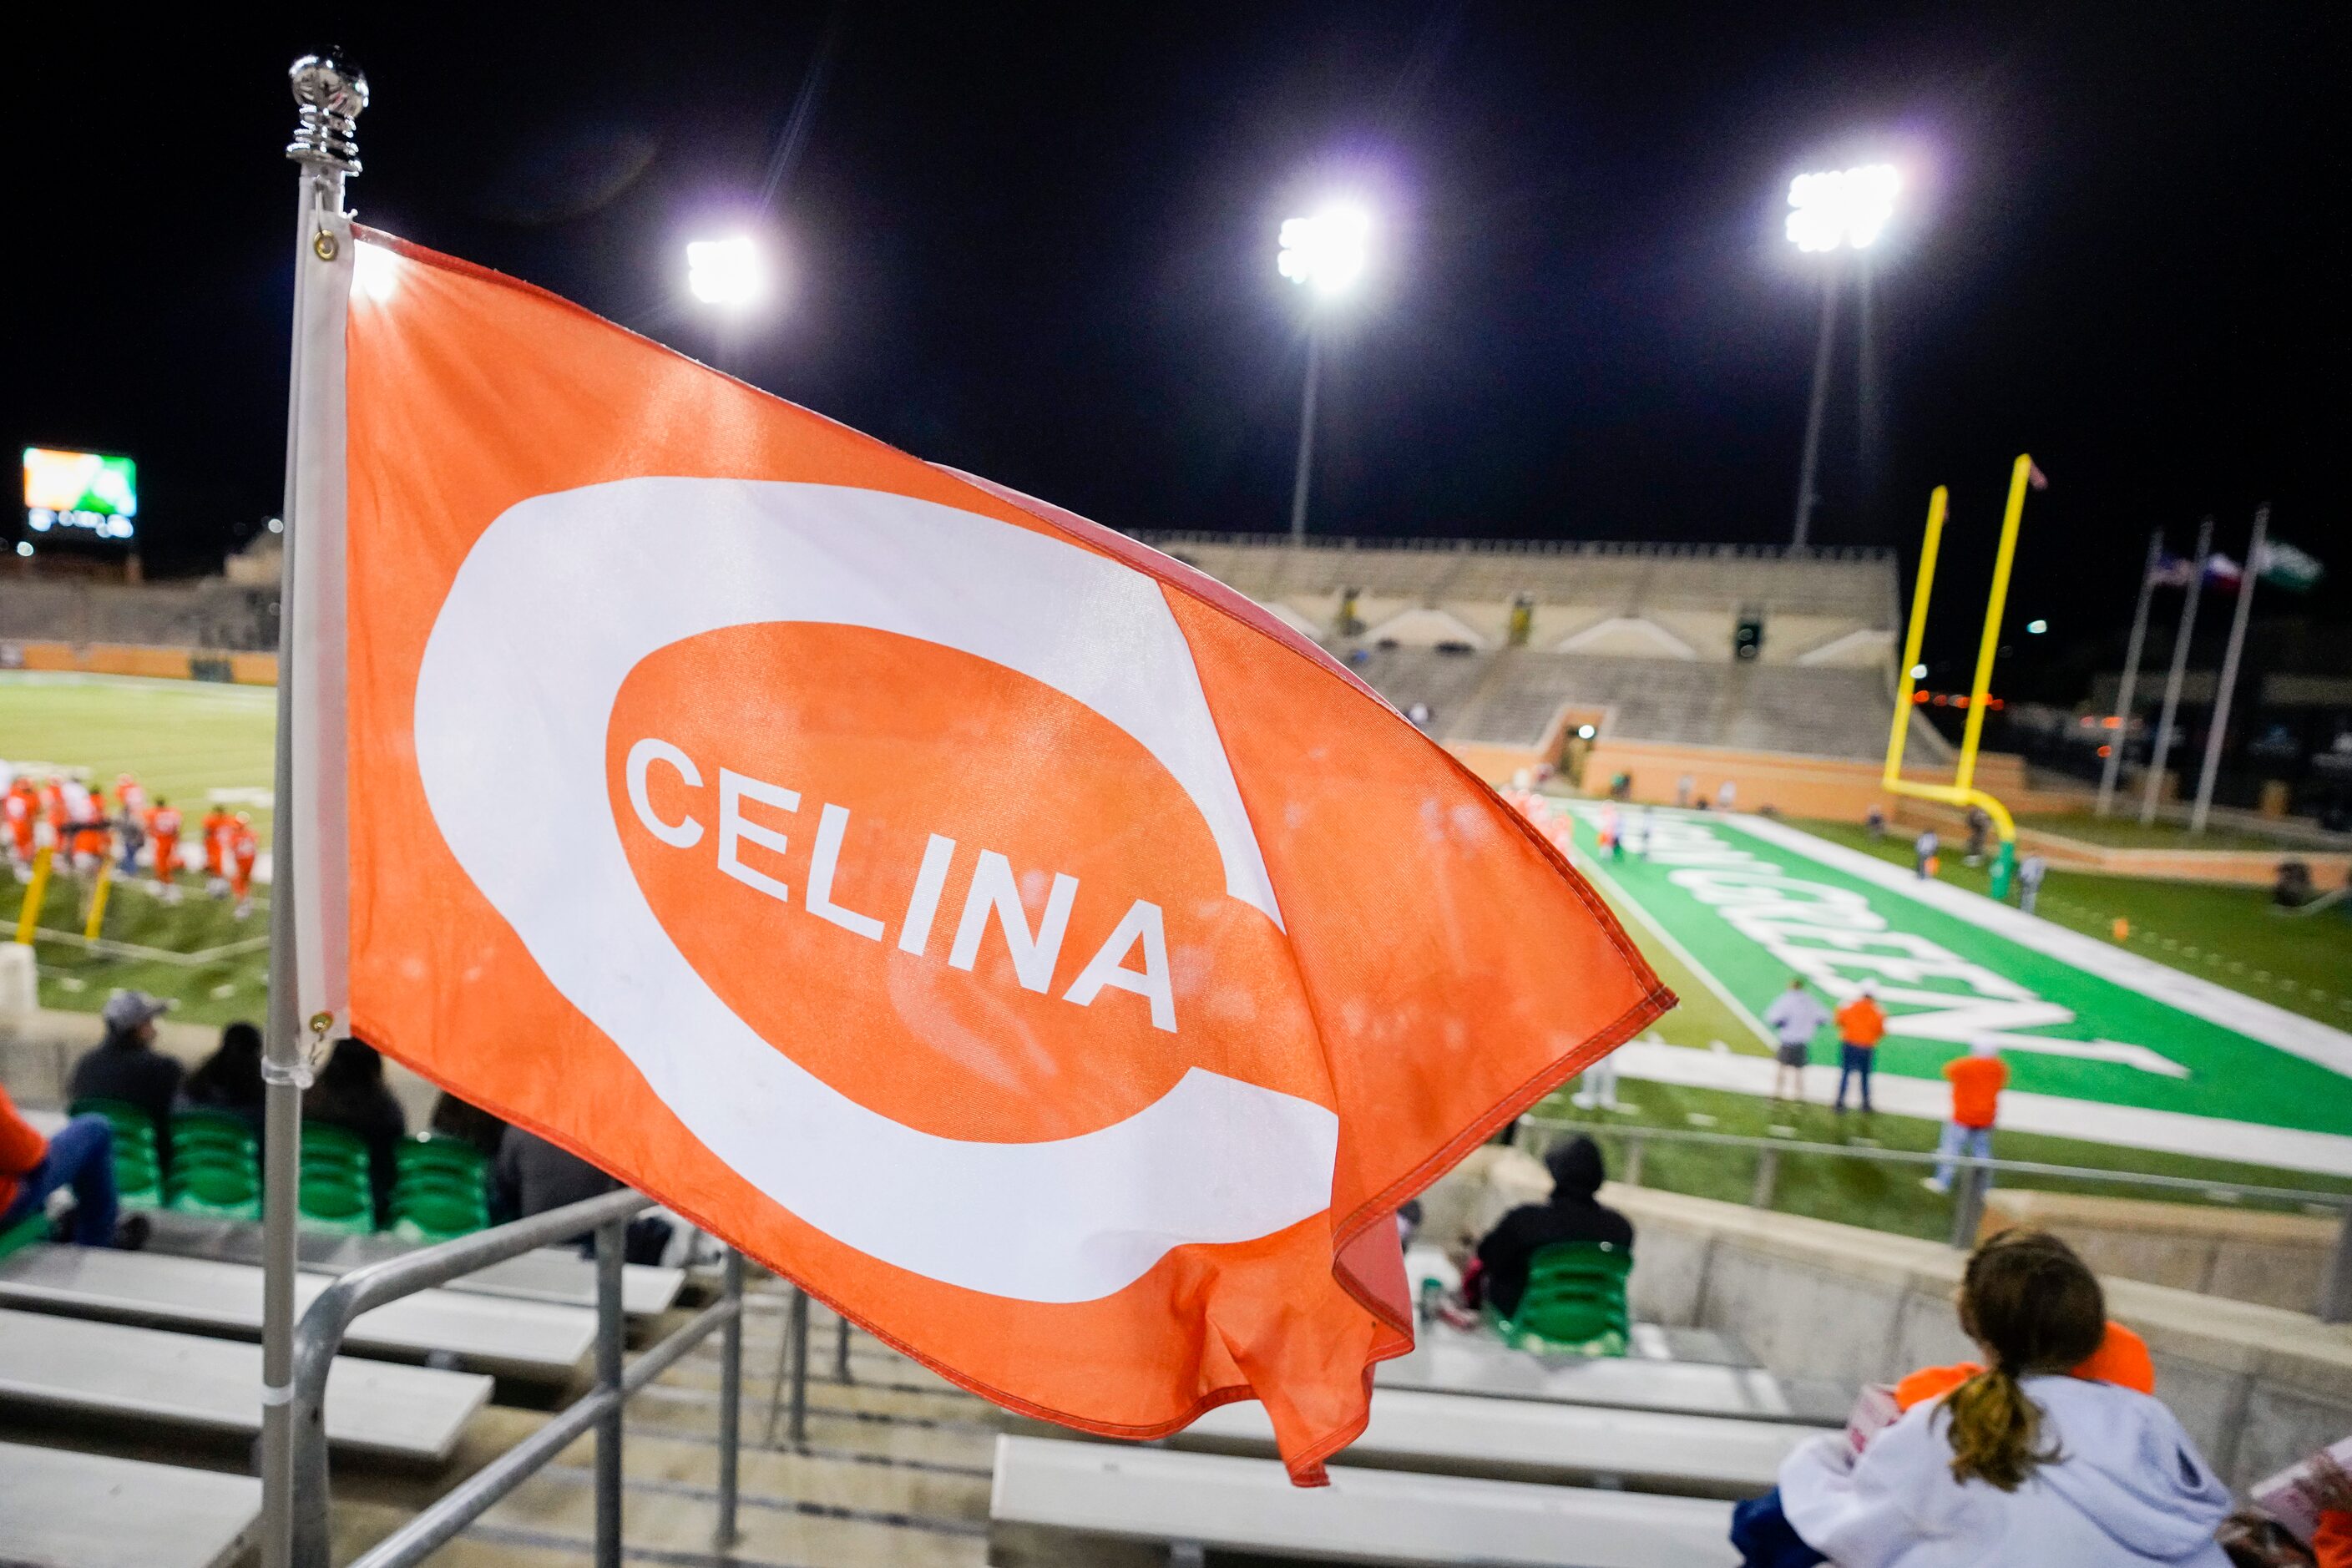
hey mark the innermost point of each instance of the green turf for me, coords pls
(2232, 936)
(183, 739)
(219, 991)
(2125, 832)
(1853, 1192)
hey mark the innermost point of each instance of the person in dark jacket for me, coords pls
(230, 1079)
(1572, 1215)
(127, 1067)
(351, 1094)
(455, 1118)
(534, 1175)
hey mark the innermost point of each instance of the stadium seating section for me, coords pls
(1511, 642)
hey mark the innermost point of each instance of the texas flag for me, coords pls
(1028, 944)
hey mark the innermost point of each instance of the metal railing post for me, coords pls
(1634, 1144)
(800, 1327)
(2334, 1304)
(840, 1349)
(612, 1241)
(1967, 1206)
(1768, 1176)
(730, 1401)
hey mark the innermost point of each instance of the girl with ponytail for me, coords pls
(2021, 1465)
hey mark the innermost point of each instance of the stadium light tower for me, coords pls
(1325, 255)
(1834, 210)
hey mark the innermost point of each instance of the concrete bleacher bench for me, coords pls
(1533, 1439)
(72, 1364)
(531, 1339)
(64, 1509)
(1363, 1516)
(1445, 1361)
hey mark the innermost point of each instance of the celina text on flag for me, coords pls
(1023, 941)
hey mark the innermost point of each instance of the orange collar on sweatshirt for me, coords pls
(2122, 1358)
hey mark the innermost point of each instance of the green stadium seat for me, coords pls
(215, 1166)
(33, 1228)
(442, 1191)
(336, 1194)
(1574, 1303)
(138, 1162)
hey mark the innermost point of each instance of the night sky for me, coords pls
(1038, 243)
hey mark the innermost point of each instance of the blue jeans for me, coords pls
(1976, 1142)
(82, 1156)
(1854, 1061)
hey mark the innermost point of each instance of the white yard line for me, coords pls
(2257, 1020)
(2168, 1131)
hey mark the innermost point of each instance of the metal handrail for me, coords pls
(321, 1333)
(2335, 1302)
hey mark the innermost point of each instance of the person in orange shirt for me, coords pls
(2122, 1359)
(242, 848)
(91, 835)
(218, 825)
(1861, 1024)
(82, 1156)
(1977, 1079)
(164, 827)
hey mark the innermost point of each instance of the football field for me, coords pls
(190, 741)
(2101, 1043)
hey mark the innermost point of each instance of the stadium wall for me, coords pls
(133, 658)
(2258, 1387)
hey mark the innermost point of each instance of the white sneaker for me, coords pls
(1935, 1187)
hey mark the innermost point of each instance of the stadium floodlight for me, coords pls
(1841, 209)
(376, 272)
(1327, 253)
(24, 547)
(729, 273)
(2036, 628)
(1918, 672)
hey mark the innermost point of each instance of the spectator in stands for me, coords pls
(81, 1158)
(1794, 1017)
(230, 1079)
(534, 1175)
(125, 1065)
(1574, 1213)
(1976, 1081)
(1861, 1024)
(351, 1094)
(454, 1117)
(1923, 854)
(2021, 1463)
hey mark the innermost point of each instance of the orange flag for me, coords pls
(1025, 942)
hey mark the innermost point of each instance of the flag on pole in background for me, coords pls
(2172, 570)
(2282, 565)
(1024, 941)
(2222, 573)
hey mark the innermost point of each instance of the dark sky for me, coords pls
(1037, 242)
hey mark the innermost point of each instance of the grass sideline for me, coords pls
(1851, 1192)
(2125, 832)
(2233, 937)
(219, 991)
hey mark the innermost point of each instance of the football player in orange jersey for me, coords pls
(218, 825)
(164, 827)
(242, 848)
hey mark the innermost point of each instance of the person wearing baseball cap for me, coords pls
(126, 1066)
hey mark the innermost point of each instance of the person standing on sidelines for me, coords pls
(164, 824)
(2030, 872)
(1923, 854)
(1861, 1024)
(1976, 1081)
(1794, 1017)
(23, 807)
(243, 847)
(218, 825)
(1608, 831)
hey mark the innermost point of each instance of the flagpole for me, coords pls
(2115, 762)
(2172, 680)
(2220, 724)
(329, 95)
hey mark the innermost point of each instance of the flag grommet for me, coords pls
(323, 246)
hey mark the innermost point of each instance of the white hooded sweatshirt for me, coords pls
(2129, 1491)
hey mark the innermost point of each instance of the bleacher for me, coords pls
(1503, 642)
(210, 612)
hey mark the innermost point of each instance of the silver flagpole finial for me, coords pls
(331, 93)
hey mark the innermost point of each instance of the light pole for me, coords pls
(1325, 255)
(1844, 209)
